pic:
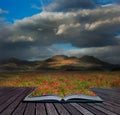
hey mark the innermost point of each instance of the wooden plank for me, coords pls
(7, 96)
(5, 90)
(106, 93)
(81, 109)
(13, 104)
(60, 108)
(20, 109)
(109, 100)
(40, 109)
(116, 89)
(71, 109)
(113, 104)
(15, 101)
(108, 112)
(92, 109)
(51, 109)
(110, 107)
(109, 93)
(9, 101)
(30, 109)
(108, 97)
(19, 106)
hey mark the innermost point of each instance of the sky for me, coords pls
(39, 29)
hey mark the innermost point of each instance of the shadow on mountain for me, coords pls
(58, 62)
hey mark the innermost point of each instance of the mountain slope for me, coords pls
(58, 62)
(13, 64)
(61, 62)
(91, 59)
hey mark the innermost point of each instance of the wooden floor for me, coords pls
(11, 104)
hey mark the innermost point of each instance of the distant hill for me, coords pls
(15, 61)
(91, 59)
(58, 62)
(13, 64)
(61, 62)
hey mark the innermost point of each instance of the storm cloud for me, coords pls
(70, 5)
(94, 30)
(108, 53)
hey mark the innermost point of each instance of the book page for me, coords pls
(43, 98)
(90, 97)
(82, 97)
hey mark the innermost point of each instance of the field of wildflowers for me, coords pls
(61, 83)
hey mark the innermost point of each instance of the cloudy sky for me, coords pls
(38, 29)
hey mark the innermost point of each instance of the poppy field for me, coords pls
(61, 83)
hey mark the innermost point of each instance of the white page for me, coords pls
(44, 98)
(81, 96)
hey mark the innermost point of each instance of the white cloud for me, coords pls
(103, 23)
(36, 7)
(3, 11)
(65, 29)
(21, 38)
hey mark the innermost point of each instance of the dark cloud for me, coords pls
(28, 51)
(70, 5)
(118, 1)
(108, 53)
(33, 37)
(47, 28)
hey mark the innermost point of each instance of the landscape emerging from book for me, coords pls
(62, 78)
(61, 83)
(60, 46)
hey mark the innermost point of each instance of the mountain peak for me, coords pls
(56, 57)
(92, 59)
(58, 62)
(88, 57)
(12, 59)
(60, 56)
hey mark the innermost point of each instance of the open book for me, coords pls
(68, 98)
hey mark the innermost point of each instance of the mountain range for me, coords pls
(58, 62)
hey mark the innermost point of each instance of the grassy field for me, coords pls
(61, 83)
